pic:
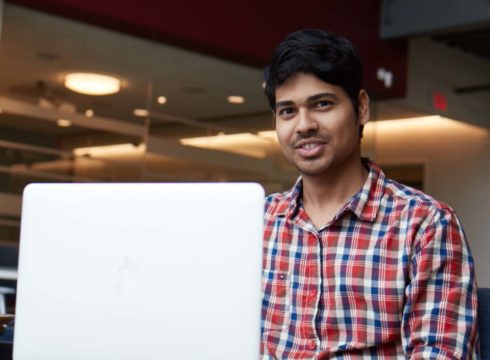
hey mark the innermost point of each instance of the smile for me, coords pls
(310, 146)
(309, 149)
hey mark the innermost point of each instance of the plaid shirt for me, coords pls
(390, 276)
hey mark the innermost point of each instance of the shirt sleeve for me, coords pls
(440, 313)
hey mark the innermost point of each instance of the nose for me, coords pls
(306, 122)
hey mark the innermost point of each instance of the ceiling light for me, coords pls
(141, 112)
(89, 113)
(63, 123)
(161, 100)
(244, 144)
(233, 99)
(416, 127)
(107, 150)
(92, 84)
(269, 134)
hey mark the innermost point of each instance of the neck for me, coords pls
(325, 194)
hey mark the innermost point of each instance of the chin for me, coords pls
(312, 172)
(313, 169)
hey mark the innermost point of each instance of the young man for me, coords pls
(355, 264)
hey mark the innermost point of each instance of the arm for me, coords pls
(440, 315)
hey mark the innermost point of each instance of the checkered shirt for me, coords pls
(390, 276)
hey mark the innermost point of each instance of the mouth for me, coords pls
(309, 148)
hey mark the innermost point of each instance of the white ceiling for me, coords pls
(37, 49)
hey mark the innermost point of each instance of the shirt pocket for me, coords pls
(276, 300)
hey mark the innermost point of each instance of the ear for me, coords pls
(363, 107)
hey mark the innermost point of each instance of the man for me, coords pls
(355, 265)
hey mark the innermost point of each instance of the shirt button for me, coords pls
(313, 293)
(312, 345)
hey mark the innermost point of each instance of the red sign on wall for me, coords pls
(439, 101)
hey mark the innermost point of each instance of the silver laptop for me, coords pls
(139, 271)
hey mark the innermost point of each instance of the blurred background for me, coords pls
(159, 91)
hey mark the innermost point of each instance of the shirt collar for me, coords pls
(364, 204)
(289, 203)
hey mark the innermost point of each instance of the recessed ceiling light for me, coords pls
(92, 84)
(141, 112)
(162, 100)
(234, 99)
(89, 113)
(63, 123)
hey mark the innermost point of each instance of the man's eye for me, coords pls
(323, 103)
(286, 111)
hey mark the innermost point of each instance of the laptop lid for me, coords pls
(139, 271)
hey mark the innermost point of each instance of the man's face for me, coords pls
(316, 124)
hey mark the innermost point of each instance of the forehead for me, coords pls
(299, 87)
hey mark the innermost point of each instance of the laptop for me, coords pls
(140, 271)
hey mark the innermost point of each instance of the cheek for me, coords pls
(283, 143)
(285, 146)
(283, 134)
(346, 129)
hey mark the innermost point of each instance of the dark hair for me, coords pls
(328, 56)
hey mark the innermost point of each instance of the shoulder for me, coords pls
(414, 199)
(423, 213)
(393, 201)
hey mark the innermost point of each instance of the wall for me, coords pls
(437, 68)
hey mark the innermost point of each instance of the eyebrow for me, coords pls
(309, 99)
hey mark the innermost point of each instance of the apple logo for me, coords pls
(131, 279)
